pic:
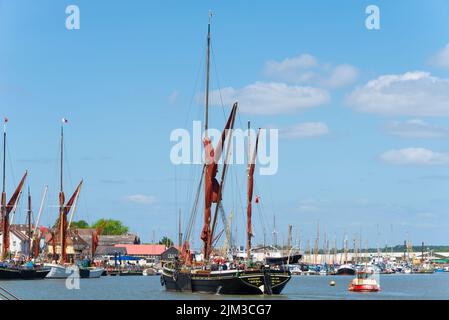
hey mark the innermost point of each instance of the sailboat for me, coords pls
(62, 269)
(10, 269)
(86, 269)
(216, 275)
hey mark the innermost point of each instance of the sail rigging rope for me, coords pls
(194, 209)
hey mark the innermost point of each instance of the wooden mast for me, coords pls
(62, 218)
(29, 224)
(252, 164)
(5, 222)
(206, 122)
(248, 243)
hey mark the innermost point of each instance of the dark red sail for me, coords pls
(252, 166)
(211, 185)
(6, 210)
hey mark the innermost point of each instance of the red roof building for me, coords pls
(143, 250)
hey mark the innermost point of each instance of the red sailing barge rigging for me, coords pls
(189, 276)
(8, 268)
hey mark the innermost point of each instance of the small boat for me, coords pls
(293, 259)
(150, 272)
(24, 272)
(59, 271)
(345, 270)
(364, 282)
(91, 272)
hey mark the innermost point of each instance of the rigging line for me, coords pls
(218, 81)
(261, 207)
(11, 167)
(194, 209)
(194, 93)
(67, 166)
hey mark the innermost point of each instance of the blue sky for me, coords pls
(365, 150)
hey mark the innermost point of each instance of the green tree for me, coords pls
(111, 227)
(81, 224)
(166, 241)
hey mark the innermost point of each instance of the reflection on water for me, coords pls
(416, 286)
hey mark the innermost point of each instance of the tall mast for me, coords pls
(29, 223)
(179, 230)
(248, 240)
(4, 218)
(206, 122)
(252, 165)
(62, 218)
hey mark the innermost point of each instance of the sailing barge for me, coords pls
(10, 270)
(222, 276)
(64, 268)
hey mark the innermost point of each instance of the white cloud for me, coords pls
(341, 76)
(140, 199)
(412, 93)
(272, 98)
(305, 68)
(416, 128)
(415, 156)
(304, 130)
(441, 59)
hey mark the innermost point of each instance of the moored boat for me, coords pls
(229, 276)
(249, 281)
(364, 282)
(24, 272)
(345, 270)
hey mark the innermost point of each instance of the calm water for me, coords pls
(425, 286)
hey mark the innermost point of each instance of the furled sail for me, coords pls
(211, 184)
(6, 210)
(252, 166)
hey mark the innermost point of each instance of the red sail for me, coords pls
(63, 220)
(6, 210)
(69, 204)
(211, 184)
(95, 240)
(250, 193)
(96, 237)
(16, 193)
(37, 241)
(186, 255)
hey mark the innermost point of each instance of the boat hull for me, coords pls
(364, 288)
(253, 282)
(345, 272)
(22, 274)
(91, 273)
(293, 259)
(59, 272)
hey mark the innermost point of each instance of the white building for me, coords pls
(18, 240)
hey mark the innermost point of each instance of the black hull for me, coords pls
(22, 274)
(246, 283)
(345, 272)
(293, 259)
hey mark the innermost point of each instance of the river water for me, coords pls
(394, 286)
